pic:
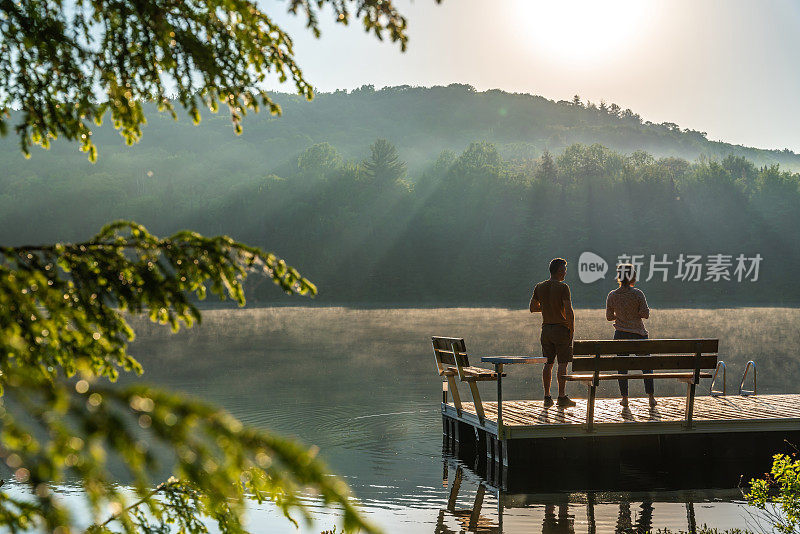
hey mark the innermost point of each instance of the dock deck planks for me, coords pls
(528, 418)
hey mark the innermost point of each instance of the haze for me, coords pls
(726, 68)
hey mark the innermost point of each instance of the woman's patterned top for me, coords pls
(626, 306)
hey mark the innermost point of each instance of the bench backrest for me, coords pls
(670, 354)
(449, 351)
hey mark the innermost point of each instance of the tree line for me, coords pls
(469, 227)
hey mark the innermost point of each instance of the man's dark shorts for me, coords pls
(556, 343)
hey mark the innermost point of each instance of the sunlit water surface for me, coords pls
(361, 385)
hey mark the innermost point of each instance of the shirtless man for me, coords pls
(551, 298)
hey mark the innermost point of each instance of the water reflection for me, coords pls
(476, 505)
(470, 519)
(641, 523)
(557, 524)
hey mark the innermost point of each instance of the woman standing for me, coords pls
(627, 306)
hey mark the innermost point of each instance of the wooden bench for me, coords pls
(677, 359)
(452, 362)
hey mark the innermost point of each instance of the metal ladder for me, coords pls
(743, 392)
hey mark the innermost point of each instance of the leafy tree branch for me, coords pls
(65, 65)
(777, 496)
(64, 304)
(63, 328)
(219, 463)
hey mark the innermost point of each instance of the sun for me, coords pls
(585, 31)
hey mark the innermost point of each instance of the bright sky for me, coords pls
(729, 68)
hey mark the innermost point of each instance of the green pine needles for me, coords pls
(66, 65)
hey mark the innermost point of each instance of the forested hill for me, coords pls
(459, 204)
(420, 121)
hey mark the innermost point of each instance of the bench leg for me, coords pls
(690, 391)
(476, 397)
(590, 408)
(451, 382)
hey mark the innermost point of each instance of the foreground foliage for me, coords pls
(65, 65)
(778, 495)
(64, 334)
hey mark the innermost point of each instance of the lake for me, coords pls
(361, 384)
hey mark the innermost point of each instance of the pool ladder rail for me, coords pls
(746, 392)
(743, 392)
(723, 391)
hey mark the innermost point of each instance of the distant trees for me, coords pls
(318, 159)
(392, 243)
(547, 168)
(479, 155)
(629, 115)
(432, 119)
(586, 163)
(444, 161)
(640, 159)
(383, 166)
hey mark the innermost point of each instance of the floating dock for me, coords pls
(598, 436)
(723, 429)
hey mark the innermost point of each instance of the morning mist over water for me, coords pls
(330, 376)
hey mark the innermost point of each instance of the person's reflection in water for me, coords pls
(644, 521)
(624, 519)
(561, 524)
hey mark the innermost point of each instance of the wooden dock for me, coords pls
(600, 434)
(529, 419)
(723, 428)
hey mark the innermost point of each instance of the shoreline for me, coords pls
(303, 302)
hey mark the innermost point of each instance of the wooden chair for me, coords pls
(452, 362)
(691, 356)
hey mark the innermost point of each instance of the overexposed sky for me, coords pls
(730, 68)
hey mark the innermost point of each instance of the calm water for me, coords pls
(361, 385)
